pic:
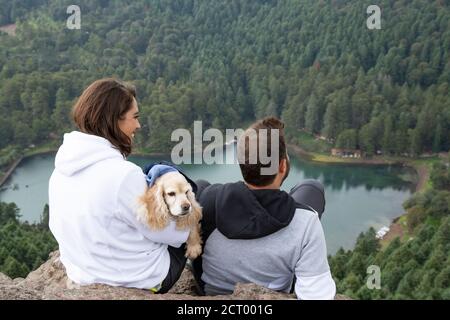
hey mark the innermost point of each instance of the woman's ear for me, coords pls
(283, 166)
(157, 211)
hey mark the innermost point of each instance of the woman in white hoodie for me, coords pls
(93, 195)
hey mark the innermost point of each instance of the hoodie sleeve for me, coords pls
(132, 187)
(207, 200)
(314, 280)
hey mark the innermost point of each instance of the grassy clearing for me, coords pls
(310, 143)
(423, 167)
(50, 146)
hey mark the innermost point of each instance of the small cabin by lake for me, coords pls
(346, 153)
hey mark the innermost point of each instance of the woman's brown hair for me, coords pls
(101, 106)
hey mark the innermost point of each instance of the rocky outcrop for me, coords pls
(49, 282)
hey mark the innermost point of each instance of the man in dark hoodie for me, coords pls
(255, 233)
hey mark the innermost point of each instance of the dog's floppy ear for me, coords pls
(157, 213)
(196, 215)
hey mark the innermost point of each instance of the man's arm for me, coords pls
(207, 199)
(206, 196)
(314, 280)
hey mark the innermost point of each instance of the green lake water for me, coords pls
(357, 196)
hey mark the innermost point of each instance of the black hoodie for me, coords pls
(242, 213)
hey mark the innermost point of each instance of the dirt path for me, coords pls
(424, 175)
(395, 230)
(9, 29)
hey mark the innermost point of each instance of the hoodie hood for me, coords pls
(242, 213)
(80, 151)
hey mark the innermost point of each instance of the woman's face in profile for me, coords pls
(130, 122)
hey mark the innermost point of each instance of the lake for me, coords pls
(357, 196)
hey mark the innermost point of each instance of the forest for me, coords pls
(315, 64)
(23, 247)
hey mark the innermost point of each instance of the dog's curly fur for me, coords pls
(155, 212)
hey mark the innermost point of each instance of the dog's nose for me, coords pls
(185, 206)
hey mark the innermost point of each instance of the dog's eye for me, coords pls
(171, 194)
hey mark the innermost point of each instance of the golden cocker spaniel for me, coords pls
(171, 198)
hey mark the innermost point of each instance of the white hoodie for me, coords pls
(92, 198)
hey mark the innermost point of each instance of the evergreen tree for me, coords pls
(312, 115)
(347, 139)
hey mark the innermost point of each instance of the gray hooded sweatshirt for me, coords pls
(262, 237)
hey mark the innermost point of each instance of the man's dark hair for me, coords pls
(251, 172)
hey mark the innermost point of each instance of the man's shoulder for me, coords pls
(305, 213)
(304, 218)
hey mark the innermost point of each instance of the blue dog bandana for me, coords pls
(155, 170)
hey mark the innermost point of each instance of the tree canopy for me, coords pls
(23, 247)
(313, 63)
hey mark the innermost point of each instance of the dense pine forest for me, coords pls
(315, 64)
(23, 247)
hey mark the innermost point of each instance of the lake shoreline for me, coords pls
(46, 157)
(9, 171)
(421, 171)
(336, 160)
